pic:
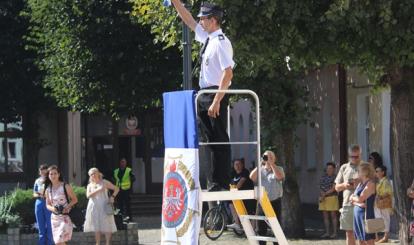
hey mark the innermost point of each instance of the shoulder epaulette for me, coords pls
(221, 37)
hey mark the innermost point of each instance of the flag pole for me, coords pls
(186, 40)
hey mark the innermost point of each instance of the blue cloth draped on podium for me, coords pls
(180, 205)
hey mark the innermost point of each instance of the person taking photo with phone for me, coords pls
(346, 181)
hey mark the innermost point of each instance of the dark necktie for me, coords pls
(203, 49)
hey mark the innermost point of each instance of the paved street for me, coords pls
(152, 237)
(149, 234)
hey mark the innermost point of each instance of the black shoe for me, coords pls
(215, 187)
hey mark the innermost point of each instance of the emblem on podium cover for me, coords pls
(178, 182)
(175, 198)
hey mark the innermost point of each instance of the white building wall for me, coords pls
(243, 128)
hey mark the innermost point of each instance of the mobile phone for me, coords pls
(265, 158)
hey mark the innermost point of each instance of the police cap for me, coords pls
(210, 9)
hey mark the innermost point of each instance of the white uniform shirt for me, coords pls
(217, 57)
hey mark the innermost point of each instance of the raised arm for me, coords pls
(253, 175)
(184, 14)
(279, 174)
(110, 186)
(90, 193)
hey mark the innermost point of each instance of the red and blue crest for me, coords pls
(174, 205)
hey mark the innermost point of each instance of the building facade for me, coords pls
(350, 112)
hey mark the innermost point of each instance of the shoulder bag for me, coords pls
(108, 206)
(75, 212)
(373, 225)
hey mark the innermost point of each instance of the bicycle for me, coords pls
(215, 222)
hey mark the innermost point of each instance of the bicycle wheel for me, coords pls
(214, 223)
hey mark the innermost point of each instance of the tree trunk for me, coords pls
(292, 217)
(402, 147)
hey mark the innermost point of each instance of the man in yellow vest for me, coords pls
(124, 178)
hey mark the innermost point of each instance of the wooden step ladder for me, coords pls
(237, 198)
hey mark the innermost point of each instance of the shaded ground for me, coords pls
(149, 232)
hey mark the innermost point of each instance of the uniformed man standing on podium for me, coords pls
(216, 72)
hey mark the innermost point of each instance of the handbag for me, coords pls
(109, 208)
(383, 202)
(373, 225)
(76, 215)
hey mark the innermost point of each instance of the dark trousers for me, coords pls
(214, 129)
(261, 226)
(124, 202)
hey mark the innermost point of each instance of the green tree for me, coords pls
(19, 78)
(96, 59)
(261, 67)
(376, 37)
(22, 96)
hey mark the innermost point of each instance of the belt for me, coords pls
(211, 87)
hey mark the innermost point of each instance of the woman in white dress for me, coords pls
(97, 220)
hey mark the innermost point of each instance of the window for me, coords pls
(363, 123)
(11, 147)
(327, 133)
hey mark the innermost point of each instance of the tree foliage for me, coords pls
(260, 55)
(261, 64)
(96, 59)
(19, 79)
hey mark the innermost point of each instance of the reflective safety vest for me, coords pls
(125, 181)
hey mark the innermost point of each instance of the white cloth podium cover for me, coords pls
(180, 205)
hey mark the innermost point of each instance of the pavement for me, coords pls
(149, 232)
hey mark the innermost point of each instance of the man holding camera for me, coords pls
(272, 176)
(347, 181)
(216, 72)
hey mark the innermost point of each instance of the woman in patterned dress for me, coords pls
(59, 206)
(96, 219)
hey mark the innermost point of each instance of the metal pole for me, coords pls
(186, 38)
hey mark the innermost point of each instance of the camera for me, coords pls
(265, 158)
(59, 209)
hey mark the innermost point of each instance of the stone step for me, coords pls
(142, 204)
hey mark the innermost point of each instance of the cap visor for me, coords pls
(203, 15)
